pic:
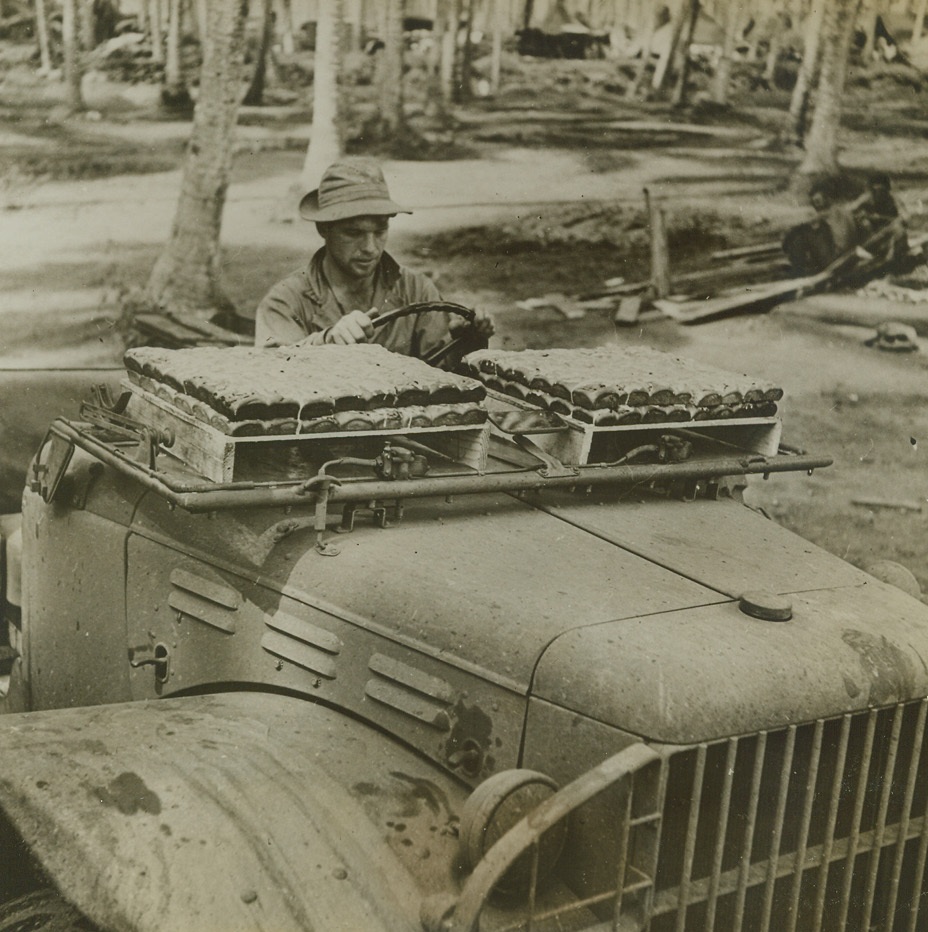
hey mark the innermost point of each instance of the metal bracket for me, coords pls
(553, 467)
(384, 515)
(388, 515)
(82, 491)
(320, 485)
(104, 399)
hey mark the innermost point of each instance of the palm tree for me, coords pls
(325, 141)
(186, 275)
(157, 38)
(811, 46)
(731, 17)
(73, 59)
(254, 97)
(822, 141)
(41, 29)
(174, 92)
(390, 118)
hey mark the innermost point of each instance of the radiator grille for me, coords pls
(813, 828)
(817, 827)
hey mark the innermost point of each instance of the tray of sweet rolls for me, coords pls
(243, 391)
(614, 386)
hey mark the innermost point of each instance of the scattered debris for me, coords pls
(850, 269)
(894, 504)
(628, 310)
(894, 337)
(567, 307)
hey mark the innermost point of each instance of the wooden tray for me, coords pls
(579, 444)
(213, 454)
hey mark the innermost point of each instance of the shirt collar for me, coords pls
(316, 285)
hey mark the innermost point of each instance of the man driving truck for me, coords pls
(351, 280)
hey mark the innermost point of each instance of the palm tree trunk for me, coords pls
(186, 275)
(41, 30)
(449, 50)
(722, 79)
(437, 95)
(646, 32)
(663, 64)
(157, 36)
(464, 85)
(144, 20)
(822, 142)
(683, 56)
(799, 103)
(390, 70)
(325, 141)
(287, 43)
(919, 26)
(496, 55)
(86, 25)
(174, 93)
(871, 14)
(73, 59)
(254, 96)
(776, 46)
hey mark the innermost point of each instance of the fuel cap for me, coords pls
(768, 606)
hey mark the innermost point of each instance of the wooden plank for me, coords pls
(628, 311)
(212, 454)
(744, 252)
(168, 328)
(754, 298)
(755, 435)
(468, 447)
(202, 448)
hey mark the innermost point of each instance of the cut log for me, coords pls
(861, 311)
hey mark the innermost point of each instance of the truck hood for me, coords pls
(486, 583)
(625, 611)
(710, 671)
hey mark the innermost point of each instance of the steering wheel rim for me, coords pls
(466, 342)
(424, 307)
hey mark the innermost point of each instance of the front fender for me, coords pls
(227, 812)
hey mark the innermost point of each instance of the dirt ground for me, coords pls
(543, 199)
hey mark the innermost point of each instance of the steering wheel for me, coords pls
(453, 350)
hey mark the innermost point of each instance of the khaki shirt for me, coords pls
(303, 306)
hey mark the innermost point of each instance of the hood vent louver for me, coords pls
(407, 689)
(302, 643)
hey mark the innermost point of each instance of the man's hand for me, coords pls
(482, 324)
(356, 327)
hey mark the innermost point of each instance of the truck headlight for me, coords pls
(494, 807)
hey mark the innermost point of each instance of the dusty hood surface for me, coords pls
(710, 671)
(624, 610)
(489, 582)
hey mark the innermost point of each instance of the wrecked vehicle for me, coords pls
(406, 650)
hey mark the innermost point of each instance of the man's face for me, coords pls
(355, 245)
(819, 200)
